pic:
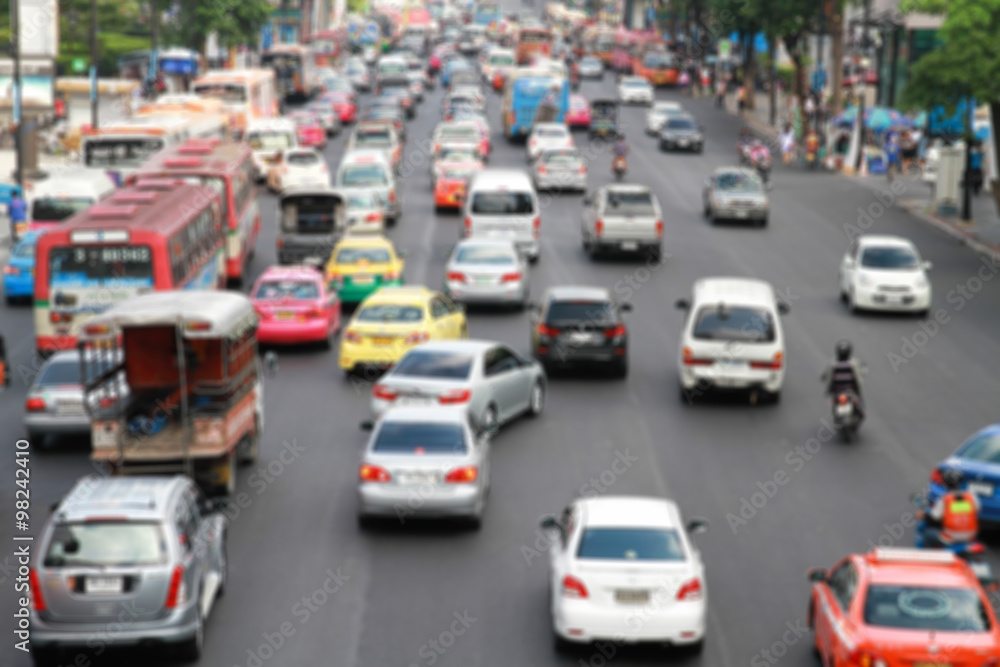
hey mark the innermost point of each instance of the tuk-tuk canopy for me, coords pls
(201, 314)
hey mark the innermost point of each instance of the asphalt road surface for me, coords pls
(481, 597)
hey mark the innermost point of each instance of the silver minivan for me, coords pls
(145, 556)
(503, 204)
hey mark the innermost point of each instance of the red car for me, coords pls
(344, 104)
(578, 115)
(309, 129)
(294, 306)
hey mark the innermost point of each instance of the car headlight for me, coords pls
(719, 202)
(921, 282)
(762, 203)
(864, 280)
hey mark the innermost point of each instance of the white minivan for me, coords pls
(503, 204)
(732, 340)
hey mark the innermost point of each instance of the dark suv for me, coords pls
(574, 325)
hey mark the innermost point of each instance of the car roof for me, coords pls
(467, 346)
(667, 105)
(627, 187)
(364, 241)
(290, 273)
(572, 292)
(884, 240)
(395, 294)
(895, 567)
(630, 511)
(633, 79)
(426, 415)
(734, 290)
(506, 178)
(551, 126)
(742, 171)
(364, 156)
(486, 243)
(134, 497)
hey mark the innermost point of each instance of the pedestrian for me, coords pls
(892, 156)
(720, 92)
(787, 144)
(685, 81)
(810, 109)
(976, 167)
(17, 211)
(908, 150)
(741, 98)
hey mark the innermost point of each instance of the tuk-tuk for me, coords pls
(4, 369)
(312, 219)
(603, 118)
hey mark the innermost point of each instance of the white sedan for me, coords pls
(625, 569)
(548, 136)
(635, 90)
(659, 113)
(298, 166)
(885, 273)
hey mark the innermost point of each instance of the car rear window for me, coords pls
(356, 255)
(502, 203)
(630, 544)
(391, 313)
(680, 124)
(564, 159)
(303, 159)
(420, 438)
(984, 448)
(580, 311)
(551, 132)
(61, 372)
(734, 323)
(273, 290)
(435, 365)
(485, 255)
(367, 176)
(926, 608)
(630, 203)
(106, 544)
(452, 133)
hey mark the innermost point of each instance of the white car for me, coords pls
(298, 166)
(548, 136)
(624, 569)
(364, 213)
(635, 90)
(884, 273)
(659, 113)
(732, 340)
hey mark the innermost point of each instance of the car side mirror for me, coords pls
(550, 523)
(367, 425)
(928, 266)
(682, 304)
(271, 363)
(783, 308)
(626, 307)
(816, 574)
(697, 526)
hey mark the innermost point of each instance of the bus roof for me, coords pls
(204, 313)
(233, 76)
(180, 104)
(196, 156)
(152, 124)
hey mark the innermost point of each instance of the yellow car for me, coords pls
(395, 319)
(360, 265)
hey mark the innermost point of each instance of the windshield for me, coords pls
(459, 173)
(501, 60)
(734, 323)
(270, 141)
(630, 544)
(658, 61)
(636, 83)
(437, 365)
(630, 203)
(61, 373)
(391, 313)
(309, 215)
(281, 60)
(891, 257)
(111, 152)
(420, 438)
(738, 183)
(232, 93)
(984, 448)
(373, 139)
(458, 133)
(563, 160)
(926, 608)
(392, 69)
(51, 209)
(302, 159)
(550, 133)
(106, 544)
(463, 154)
(503, 203)
(599, 312)
(25, 249)
(486, 255)
(274, 290)
(101, 266)
(592, 62)
(364, 177)
(680, 124)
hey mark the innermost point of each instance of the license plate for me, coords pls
(683, 142)
(582, 339)
(285, 316)
(381, 340)
(981, 570)
(632, 597)
(844, 409)
(363, 280)
(742, 214)
(413, 401)
(730, 363)
(630, 245)
(485, 280)
(981, 489)
(417, 479)
(69, 408)
(105, 585)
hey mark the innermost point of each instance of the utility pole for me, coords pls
(15, 28)
(820, 73)
(154, 66)
(93, 64)
(863, 82)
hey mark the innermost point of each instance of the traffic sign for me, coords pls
(79, 65)
(725, 47)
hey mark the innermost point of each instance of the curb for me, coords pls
(965, 238)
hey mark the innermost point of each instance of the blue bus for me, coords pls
(488, 14)
(525, 93)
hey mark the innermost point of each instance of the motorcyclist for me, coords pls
(843, 371)
(759, 153)
(620, 151)
(954, 518)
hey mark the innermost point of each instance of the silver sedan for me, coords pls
(423, 462)
(560, 169)
(493, 382)
(482, 271)
(733, 193)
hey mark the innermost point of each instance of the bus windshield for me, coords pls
(51, 209)
(227, 92)
(116, 152)
(119, 266)
(281, 60)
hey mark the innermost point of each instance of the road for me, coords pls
(481, 597)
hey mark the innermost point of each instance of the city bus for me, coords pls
(526, 88)
(121, 148)
(247, 94)
(157, 235)
(653, 62)
(181, 103)
(489, 15)
(603, 46)
(531, 41)
(294, 67)
(228, 168)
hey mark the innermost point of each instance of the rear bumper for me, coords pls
(405, 502)
(178, 627)
(491, 294)
(353, 355)
(566, 354)
(287, 333)
(713, 378)
(679, 623)
(18, 286)
(46, 424)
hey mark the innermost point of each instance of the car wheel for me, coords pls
(475, 520)
(560, 645)
(763, 222)
(365, 521)
(536, 401)
(251, 448)
(190, 651)
(620, 368)
(923, 314)
(774, 397)
(695, 648)
(713, 217)
(852, 306)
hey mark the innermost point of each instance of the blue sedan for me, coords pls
(979, 460)
(19, 274)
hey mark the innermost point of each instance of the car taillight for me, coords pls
(546, 330)
(373, 217)
(937, 477)
(691, 591)
(533, 142)
(370, 473)
(107, 402)
(176, 594)
(34, 404)
(37, 601)
(468, 226)
(975, 548)
(599, 228)
(392, 196)
(56, 318)
(773, 365)
(542, 170)
(583, 169)
(456, 277)
(615, 332)
(843, 399)
(384, 393)
(866, 659)
(11, 271)
(536, 227)
(659, 228)
(574, 588)
(417, 337)
(314, 314)
(510, 277)
(455, 397)
(466, 475)
(691, 360)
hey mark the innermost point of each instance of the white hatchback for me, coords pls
(626, 570)
(732, 340)
(548, 136)
(884, 273)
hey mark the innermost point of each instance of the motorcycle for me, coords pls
(763, 166)
(846, 416)
(619, 167)
(973, 553)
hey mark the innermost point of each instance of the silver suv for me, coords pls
(622, 217)
(145, 554)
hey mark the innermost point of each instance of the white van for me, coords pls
(64, 194)
(503, 204)
(369, 170)
(269, 139)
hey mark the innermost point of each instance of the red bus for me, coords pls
(159, 234)
(228, 168)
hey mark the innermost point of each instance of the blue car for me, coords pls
(979, 460)
(19, 274)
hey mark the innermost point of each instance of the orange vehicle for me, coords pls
(532, 41)
(603, 46)
(449, 189)
(895, 607)
(653, 62)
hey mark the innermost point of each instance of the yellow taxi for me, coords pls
(395, 319)
(360, 265)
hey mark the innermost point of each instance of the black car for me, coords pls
(681, 133)
(580, 325)
(398, 88)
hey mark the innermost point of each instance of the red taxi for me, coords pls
(309, 129)
(902, 608)
(294, 306)
(449, 188)
(578, 115)
(344, 104)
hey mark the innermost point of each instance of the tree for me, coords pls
(237, 22)
(836, 26)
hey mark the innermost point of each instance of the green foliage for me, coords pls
(357, 6)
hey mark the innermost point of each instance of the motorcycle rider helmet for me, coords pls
(844, 350)
(952, 478)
